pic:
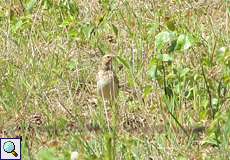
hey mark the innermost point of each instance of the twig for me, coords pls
(208, 91)
(171, 114)
(180, 125)
(28, 148)
(213, 50)
(164, 75)
(66, 109)
(206, 84)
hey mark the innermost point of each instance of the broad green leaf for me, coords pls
(152, 72)
(172, 47)
(124, 62)
(184, 42)
(163, 39)
(214, 101)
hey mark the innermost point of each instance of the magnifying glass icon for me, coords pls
(9, 147)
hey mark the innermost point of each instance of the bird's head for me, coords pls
(106, 63)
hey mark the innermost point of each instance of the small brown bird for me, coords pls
(107, 81)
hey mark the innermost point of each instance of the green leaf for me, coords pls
(105, 4)
(152, 29)
(169, 91)
(172, 47)
(68, 21)
(215, 103)
(103, 48)
(182, 158)
(115, 30)
(124, 62)
(171, 25)
(31, 5)
(87, 30)
(73, 33)
(211, 139)
(17, 26)
(72, 8)
(184, 42)
(223, 55)
(152, 72)
(72, 65)
(147, 90)
(227, 126)
(163, 39)
(47, 154)
(184, 72)
(61, 122)
(165, 57)
(222, 50)
(47, 4)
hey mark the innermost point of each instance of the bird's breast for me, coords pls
(106, 85)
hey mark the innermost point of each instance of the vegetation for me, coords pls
(173, 63)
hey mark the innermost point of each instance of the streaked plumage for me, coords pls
(107, 81)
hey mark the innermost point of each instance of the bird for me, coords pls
(107, 81)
